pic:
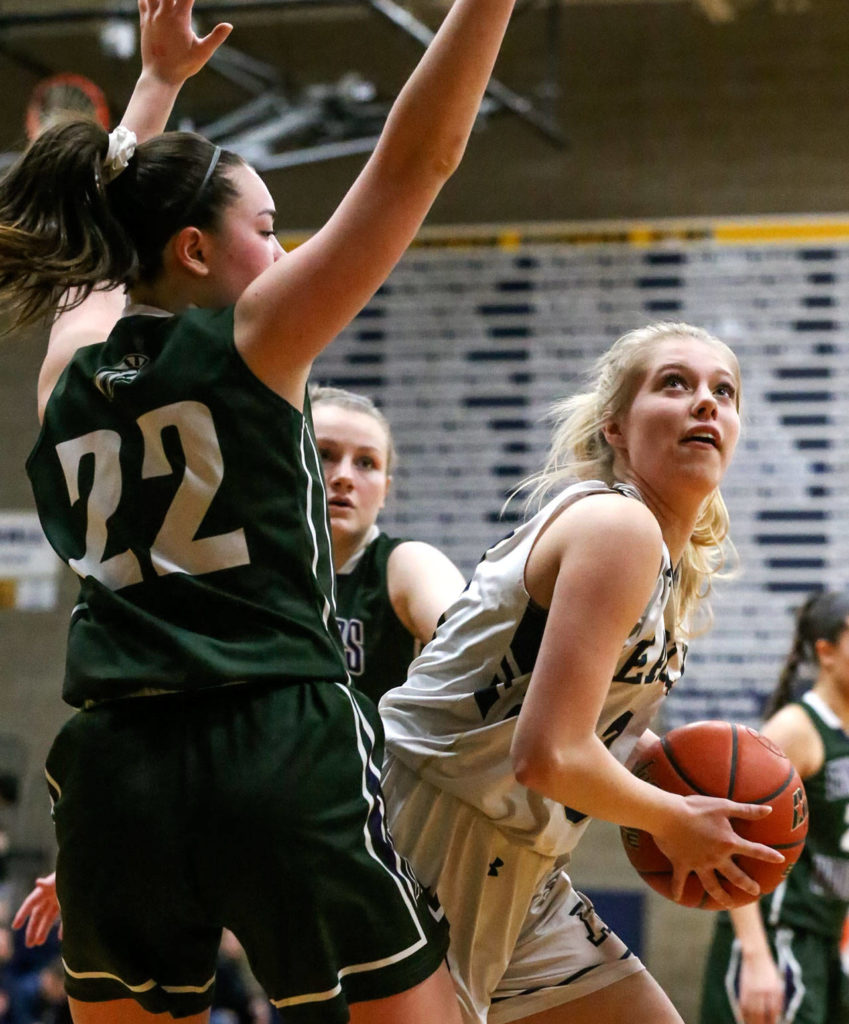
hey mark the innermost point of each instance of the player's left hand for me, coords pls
(170, 50)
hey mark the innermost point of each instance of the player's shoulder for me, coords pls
(602, 536)
(412, 550)
(793, 730)
(418, 557)
(610, 519)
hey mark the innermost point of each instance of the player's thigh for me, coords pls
(434, 999)
(305, 872)
(564, 953)
(132, 925)
(632, 1000)
(123, 1011)
(483, 881)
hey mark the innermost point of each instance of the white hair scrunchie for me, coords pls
(122, 145)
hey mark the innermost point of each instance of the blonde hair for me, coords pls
(344, 399)
(580, 450)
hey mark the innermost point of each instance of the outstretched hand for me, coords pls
(705, 843)
(39, 911)
(170, 50)
(170, 53)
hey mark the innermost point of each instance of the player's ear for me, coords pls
(824, 651)
(613, 434)
(386, 490)
(188, 251)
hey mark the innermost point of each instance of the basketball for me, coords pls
(738, 763)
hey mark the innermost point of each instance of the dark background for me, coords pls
(664, 111)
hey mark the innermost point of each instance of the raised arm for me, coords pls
(293, 310)
(594, 597)
(170, 54)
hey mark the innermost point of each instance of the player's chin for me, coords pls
(344, 523)
(704, 475)
(340, 513)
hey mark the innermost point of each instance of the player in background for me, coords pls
(777, 961)
(390, 592)
(518, 720)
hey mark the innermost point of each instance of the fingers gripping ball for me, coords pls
(737, 763)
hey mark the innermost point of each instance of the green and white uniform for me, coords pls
(190, 500)
(378, 646)
(804, 916)
(522, 939)
(222, 771)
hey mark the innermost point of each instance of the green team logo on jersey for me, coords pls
(125, 372)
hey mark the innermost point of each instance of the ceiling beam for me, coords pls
(26, 17)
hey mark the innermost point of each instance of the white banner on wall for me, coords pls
(29, 568)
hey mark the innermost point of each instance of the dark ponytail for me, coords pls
(822, 617)
(56, 229)
(62, 227)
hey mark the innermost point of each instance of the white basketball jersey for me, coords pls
(452, 721)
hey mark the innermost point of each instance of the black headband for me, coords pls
(213, 163)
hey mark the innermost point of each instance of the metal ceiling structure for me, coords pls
(281, 122)
(29, 12)
(271, 129)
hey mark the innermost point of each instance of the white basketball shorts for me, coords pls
(522, 939)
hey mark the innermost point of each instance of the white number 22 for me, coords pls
(175, 548)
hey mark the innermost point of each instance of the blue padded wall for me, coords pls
(467, 346)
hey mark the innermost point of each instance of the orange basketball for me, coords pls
(737, 763)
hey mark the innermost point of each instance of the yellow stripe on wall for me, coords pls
(837, 230)
(509, 237)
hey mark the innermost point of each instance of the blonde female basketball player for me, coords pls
(516, 722)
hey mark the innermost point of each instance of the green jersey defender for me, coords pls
(142, 484)
(378, 646)
(206, 658)
(804, 916)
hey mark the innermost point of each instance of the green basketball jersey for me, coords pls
(378, 646)
(815, 895)
(189, 498)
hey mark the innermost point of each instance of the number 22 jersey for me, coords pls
(189, 498)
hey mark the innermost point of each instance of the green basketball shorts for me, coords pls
(813, 979)
(255, 808)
